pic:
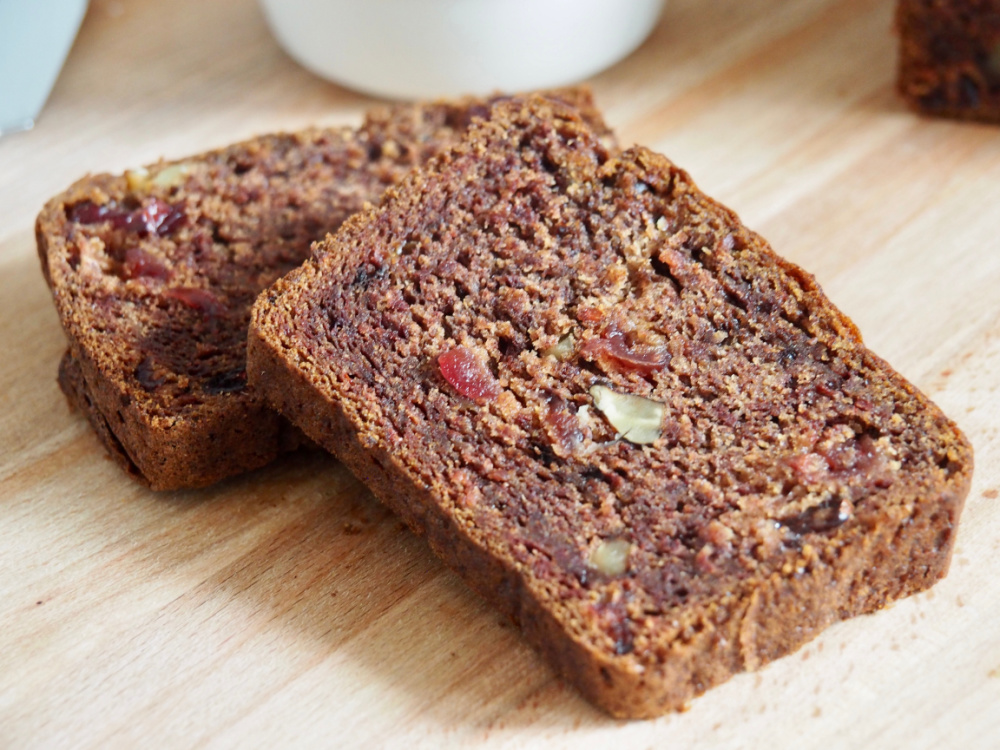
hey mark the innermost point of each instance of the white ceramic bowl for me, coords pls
(428, 48)
(35, 37)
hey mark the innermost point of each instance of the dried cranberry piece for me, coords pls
(562, 426)
(860, 456)
(863, 458)
(140, 263)
(869, 458)
(201, 300)
(616, 350)
(130, 222)
(159, 217)
(468, 374)
(155, 217)
(85, 212)
(88, 212)
(174, 220)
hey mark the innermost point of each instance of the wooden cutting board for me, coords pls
(288, 609)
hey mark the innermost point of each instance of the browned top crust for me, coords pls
(458, 348)
(153, 273)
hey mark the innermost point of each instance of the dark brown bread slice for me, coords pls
(154, 272)
(949, 61)
(462, 349)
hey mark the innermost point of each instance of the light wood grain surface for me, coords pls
(288, 609)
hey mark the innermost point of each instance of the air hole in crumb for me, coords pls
(663, 270)
(796, 323)
(736, 302)
(508, 346)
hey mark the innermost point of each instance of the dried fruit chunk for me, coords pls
(562, 426)
(155, 217)
(201, 300)
(159, 217)
(468, 374)
(616, 350)
(140, 263)
(88, 212)
(637, 419)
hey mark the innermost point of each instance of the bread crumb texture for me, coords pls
(484, 349)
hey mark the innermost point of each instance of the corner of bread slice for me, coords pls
(167, 451)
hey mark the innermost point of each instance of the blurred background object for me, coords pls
(405, 49)
(35, 37)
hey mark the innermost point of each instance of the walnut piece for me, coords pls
(637, 419)
(562, 350)
(610, 557)
(140, 181)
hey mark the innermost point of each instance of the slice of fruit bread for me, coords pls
(613, 410)
(153, 273)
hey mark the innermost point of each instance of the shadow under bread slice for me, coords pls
(153, 274)
(613, 410)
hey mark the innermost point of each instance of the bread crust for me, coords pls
(636, 647)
